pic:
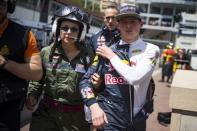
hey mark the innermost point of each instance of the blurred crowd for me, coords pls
(173, 59)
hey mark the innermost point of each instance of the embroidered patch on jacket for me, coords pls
(87, 93)
(125, 62)
(136, 52)
(114, 80)
(111, 68)
(153, 61)
(95, 61)
(80, 68)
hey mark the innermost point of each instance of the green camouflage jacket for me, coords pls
(61, 77)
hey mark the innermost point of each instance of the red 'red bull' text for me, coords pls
(109, 79)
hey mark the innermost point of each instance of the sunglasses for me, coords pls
(72, 29)
(79, 14)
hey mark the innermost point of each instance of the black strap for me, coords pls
(132, 100)
(131, 93)
(85, 63)
(151, 90)
(124, 54)
(56, 64)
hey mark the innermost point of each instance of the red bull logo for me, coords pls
(111, 68)
(109, 79)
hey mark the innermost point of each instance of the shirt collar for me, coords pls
(138, 41)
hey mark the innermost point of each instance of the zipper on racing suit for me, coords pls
(125, 55)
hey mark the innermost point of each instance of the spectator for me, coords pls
(167, 67)
(109, 31)
(19, 62)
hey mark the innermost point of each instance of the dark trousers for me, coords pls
(140, 125)
(167, 70)
(10, 116)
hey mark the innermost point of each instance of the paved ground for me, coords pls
(161, 97)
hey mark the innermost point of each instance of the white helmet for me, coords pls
(73, 14)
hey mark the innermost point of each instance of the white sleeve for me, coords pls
(136, 74)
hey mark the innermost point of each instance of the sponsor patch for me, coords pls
(125, 62)
(153, 61)
(87, 93)
(80, 68)
(132, 63)
(109, 79)
(111, 68)
(95, 61)
(87, 59)
(136, 52)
